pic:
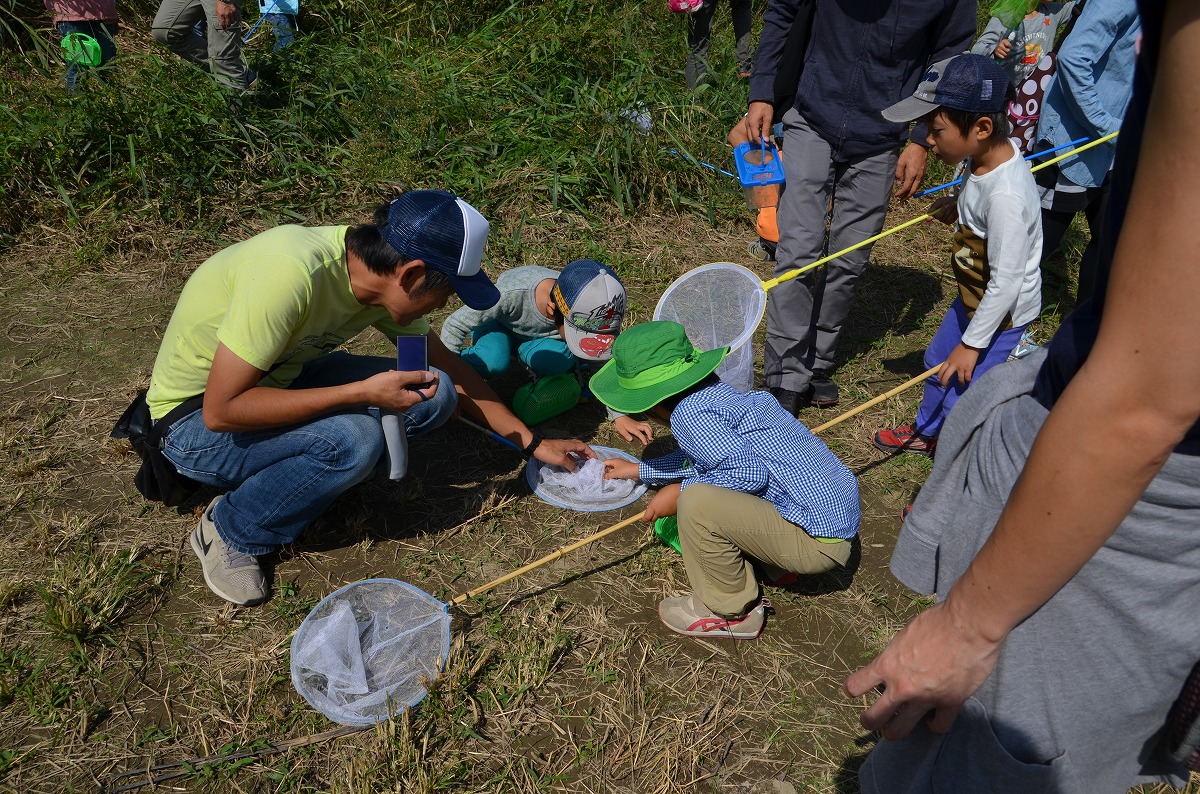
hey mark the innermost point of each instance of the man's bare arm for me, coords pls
(233, 400)
(1141, 381)
(480, 402)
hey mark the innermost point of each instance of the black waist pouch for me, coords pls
(157, 479)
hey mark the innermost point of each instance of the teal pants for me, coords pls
(492, 349)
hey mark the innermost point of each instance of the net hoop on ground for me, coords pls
(566, 499)
(370, 650)
(719, 305)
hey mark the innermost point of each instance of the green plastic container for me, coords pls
(81, 49)
(667, 529)
(546, 397)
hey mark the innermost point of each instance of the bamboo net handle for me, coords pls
(551, 557)
(908, 384)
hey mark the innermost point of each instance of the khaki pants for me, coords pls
(718, 528)
(219, 51)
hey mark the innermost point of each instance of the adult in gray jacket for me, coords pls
(842, 159)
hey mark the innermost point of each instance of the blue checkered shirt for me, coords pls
(748, 443)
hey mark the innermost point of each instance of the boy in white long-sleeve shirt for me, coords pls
(997, 241)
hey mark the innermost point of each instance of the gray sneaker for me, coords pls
(229, 573)
(760, 249)
(687, 615)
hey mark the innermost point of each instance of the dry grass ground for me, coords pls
(115, 657)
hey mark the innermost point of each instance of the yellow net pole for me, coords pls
(791, 274)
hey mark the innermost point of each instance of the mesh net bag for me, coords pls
(584, 490)
(369, 650)
(719, 305)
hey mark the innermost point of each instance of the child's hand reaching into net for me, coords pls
(618, 469)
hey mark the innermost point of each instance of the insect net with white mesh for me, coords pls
(719, 305)
(585, 490)
(373, 648)
(370, 650)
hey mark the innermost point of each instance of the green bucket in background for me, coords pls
(81, 49)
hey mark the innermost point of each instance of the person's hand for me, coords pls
(961, 363)
(630, 428)
(910, 170)
(228, 14)
(755, 126)
(934, 664)
(390, 389)
(563, 452)
(945, 209)
(739, 134)
(620, 469)
(664, 503)
(1002, 49)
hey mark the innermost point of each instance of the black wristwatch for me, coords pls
(538, 438)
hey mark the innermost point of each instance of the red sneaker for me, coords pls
(905, 439)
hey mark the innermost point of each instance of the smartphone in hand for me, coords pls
(412, 355)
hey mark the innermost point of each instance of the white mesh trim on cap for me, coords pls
(475, 233)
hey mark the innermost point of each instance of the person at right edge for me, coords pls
(1059, 524)
(1087, 99)
(843, 159)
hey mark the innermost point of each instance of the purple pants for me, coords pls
(938, 400)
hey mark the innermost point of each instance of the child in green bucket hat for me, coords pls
(749, 482)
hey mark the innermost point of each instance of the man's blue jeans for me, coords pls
(281, 479)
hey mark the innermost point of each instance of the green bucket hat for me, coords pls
(651, 362)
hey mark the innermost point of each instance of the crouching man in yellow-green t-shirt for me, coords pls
(287, 424)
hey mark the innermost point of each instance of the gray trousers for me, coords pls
(219, 52)
(805, 315)
(1081, 686)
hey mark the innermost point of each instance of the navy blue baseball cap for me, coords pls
(448, 235)
(974, 83)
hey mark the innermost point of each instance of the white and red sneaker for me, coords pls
(688, 616)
